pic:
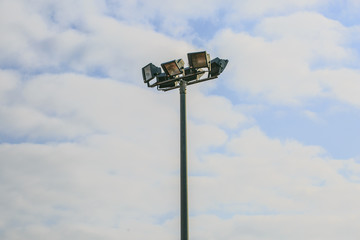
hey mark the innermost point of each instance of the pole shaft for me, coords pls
(183, 165)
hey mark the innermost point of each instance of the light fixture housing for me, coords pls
(192, 74)
(199, 60)
(150, 71)
(217, 66)
(162, 77)
(173, 68)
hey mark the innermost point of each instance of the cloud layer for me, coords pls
(88, 152)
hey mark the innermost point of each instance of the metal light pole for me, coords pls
(177, 76)
(183, 165)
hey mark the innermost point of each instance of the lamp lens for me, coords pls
(147, 71)
(199, 60)
(172, 68)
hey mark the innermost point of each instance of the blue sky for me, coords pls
(87, 151)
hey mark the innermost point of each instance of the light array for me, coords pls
(175, 71)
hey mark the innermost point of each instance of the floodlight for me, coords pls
(173, 68)
(192, 74)
(217, 66)
(150, 71)
(162, 77)
(177, 76)
(199, 60)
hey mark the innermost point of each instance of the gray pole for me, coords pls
(184, 225)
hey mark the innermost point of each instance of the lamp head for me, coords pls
(150, 71)
(193, 74)
(199, 60)
(217, 66)
(162, 77)
(173, 68)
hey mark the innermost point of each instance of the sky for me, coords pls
(88, 151)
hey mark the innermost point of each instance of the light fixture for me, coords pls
(199, 60)
(176, 76)
(150, 71)
(173, 68)
(192, 74)
(217, 66)
(162, 77)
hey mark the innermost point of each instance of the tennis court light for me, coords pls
(217, 66)
(199, 60)
(164, 81)
(192, 74)
(173, 68)
(150, 71)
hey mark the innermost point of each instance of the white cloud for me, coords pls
(266, 69)
(216, 110)
(205, 135)
(280, 183)
(110, 186)
(344, 84)
(72, 106)
(64, 187)
(119, 49)
(173, 18)
(313, 116)
(9, 80)
(318, 38)
(20, 29)
(280, 62)
(275, 227)
(259, 8)
(36, 41)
